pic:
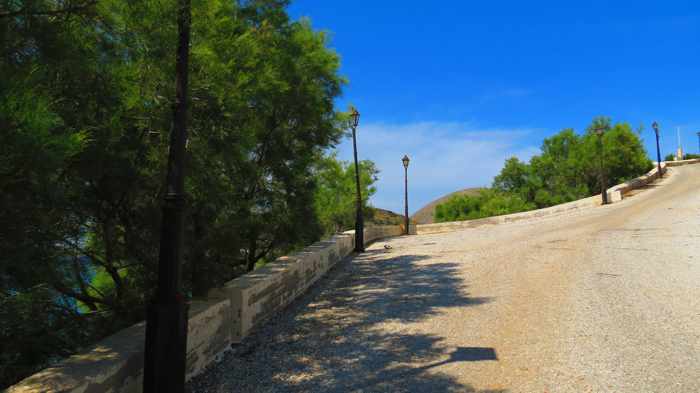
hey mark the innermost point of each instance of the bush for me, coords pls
(486, 204)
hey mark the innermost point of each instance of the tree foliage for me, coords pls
(568, 168)
(336, 199)
(85, 113)
(487, 203)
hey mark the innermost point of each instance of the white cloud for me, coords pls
(445, 157)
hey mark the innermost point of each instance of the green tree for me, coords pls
(335, 198)
(85, 109)
(623, 154)
(568, 168)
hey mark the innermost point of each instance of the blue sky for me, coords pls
(461, 85)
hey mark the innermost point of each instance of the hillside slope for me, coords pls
(426, 214)
(385, 217)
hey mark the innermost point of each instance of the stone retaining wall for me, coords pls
(682, 162)
(257, 296)
(229, 314)
(615, 194)
(456, 225)
(115, 364)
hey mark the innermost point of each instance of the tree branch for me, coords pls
(107, 238)
(85, 298)
(265, 251)
(67, 10)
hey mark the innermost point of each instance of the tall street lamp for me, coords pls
(166, 321)
(655, 126)
(603, 189)
(359, 221)
(405, 161)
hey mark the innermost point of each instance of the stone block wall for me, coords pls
(558, 209)
(257, 296)
(229, 314)
(617, 193)
(116, 363)
(682, 162)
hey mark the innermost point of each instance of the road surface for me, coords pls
(601, 300)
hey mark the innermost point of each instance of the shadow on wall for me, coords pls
(330, 340)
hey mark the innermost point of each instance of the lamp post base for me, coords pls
(166, 348)
(359, 242)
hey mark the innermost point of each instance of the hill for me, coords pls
(385, 217)
(426, 213)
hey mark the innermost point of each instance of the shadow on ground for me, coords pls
(335, 338)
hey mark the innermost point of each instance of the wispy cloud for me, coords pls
(444, 157)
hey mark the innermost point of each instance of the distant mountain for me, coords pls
(427, 213)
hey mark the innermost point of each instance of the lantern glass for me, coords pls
(405, 160)
(355, 116)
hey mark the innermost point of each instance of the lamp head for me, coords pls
(655, 126)
(354, 116)
(405, 160)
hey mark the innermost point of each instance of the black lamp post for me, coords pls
(166, 321)
(603, 189)
(655, 126)
(405, 161)
(359, 220)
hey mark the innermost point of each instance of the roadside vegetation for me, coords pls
(86, 103)
(568, 168)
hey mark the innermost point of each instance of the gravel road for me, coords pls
(601, 300)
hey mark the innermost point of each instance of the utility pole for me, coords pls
(166, 321)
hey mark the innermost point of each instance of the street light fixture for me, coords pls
(359, 221)
(603, 189)
(166, 321)
(655, 126)
(405, 161)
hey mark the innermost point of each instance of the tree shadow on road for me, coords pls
(347, 334)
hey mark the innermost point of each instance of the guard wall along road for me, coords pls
(229, 314)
